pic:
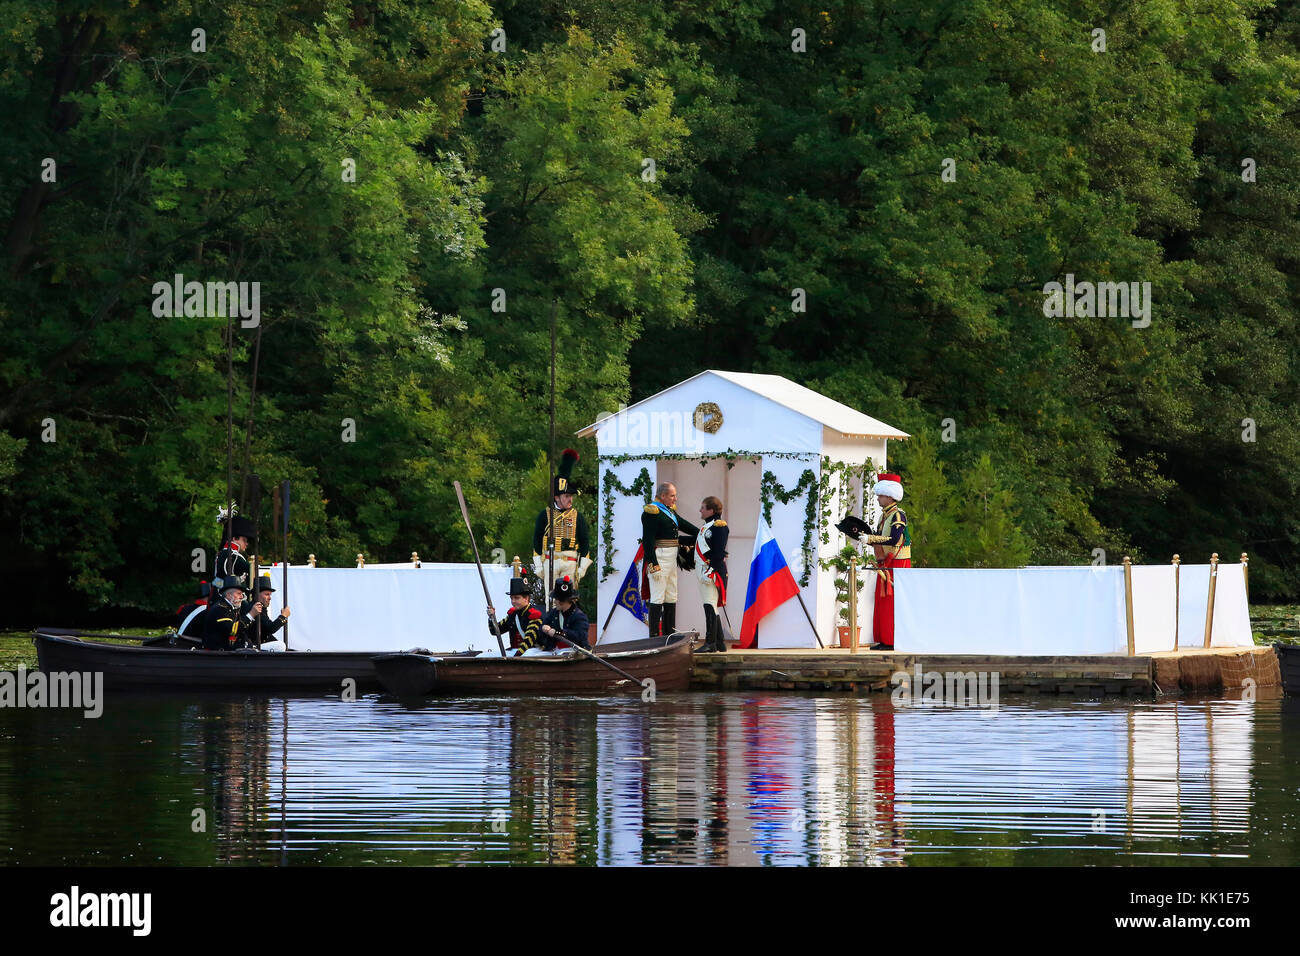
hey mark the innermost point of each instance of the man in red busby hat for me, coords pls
(892, 544)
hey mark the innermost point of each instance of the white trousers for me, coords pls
(663, 583)
(709, 594)
(566, 566)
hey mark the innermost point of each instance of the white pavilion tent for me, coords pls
(722, 433)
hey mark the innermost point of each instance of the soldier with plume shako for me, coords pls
(523, 622)
(563, 528)
(232, 565)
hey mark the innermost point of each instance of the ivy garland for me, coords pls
(730, 456)
(643, 485)
(771, 488)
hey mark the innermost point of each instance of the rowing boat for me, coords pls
(127, 665)
(665, 660)
(1288, 657)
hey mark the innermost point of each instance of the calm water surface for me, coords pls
(700, 778)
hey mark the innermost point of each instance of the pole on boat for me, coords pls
(1128, 602)
(550, 481)
(464, 513)
(1209, 601)
(1177, 563)
(284, 556)
(255, 583)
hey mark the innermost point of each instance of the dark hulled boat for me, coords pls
(1288, 659)
(135, 666)
(665, 660)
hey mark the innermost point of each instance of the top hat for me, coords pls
(264, 583)
(564, 474)
(520, 586)
(204, 589)
(564, 590)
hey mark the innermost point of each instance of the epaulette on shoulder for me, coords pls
(719, 523)
(652, 509)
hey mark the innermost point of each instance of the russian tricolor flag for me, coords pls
(770, 583)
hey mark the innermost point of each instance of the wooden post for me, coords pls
(361, 560)
(1209, 601)
(1177, 562)
(853, 605)
(1245, 574)
(415, 558)
(311, 560)
(1128, 602)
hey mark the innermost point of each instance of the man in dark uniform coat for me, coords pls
(522, 622)
(231, 562)
(224, 618)
(571, 541)
(195, 628)
(662, 530)
(565, 623)
(711, 569)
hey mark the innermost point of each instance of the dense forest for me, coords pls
(871, 199)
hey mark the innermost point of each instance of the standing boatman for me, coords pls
(893, 548)
(232, 565)
(571, 542)
(662, 531)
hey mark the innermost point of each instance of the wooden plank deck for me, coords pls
(836, 669)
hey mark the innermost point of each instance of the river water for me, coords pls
(739, 779)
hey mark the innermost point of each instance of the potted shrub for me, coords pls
(840, 565)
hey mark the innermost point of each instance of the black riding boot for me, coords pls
(719, 644)
(670, 618)
(656, 613)
(710, 618)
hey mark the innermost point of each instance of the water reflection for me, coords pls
(700, 779)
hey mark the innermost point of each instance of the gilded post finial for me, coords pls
(415, 558)
(361, 560)
(311, 560)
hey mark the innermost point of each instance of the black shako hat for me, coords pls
(520, 586)
(564, 475)
(264, 583)
(853, 526)
(564, 590)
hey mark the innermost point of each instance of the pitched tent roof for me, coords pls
(797, 398)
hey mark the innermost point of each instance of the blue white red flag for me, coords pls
(771, 583)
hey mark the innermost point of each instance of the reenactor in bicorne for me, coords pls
(662, 531)
(711, 569)
(565, 623)
(231, 562)
(253, 609)
(892, 544)
(224, 618)
(523, 622)
(568, 528)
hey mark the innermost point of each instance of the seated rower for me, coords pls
(189, 618)
(224, 617)
(258, 610)
(565, 623)
(522, 622)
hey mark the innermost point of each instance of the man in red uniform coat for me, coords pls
(893, 546)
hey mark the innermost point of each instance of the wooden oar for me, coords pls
(464, 513)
